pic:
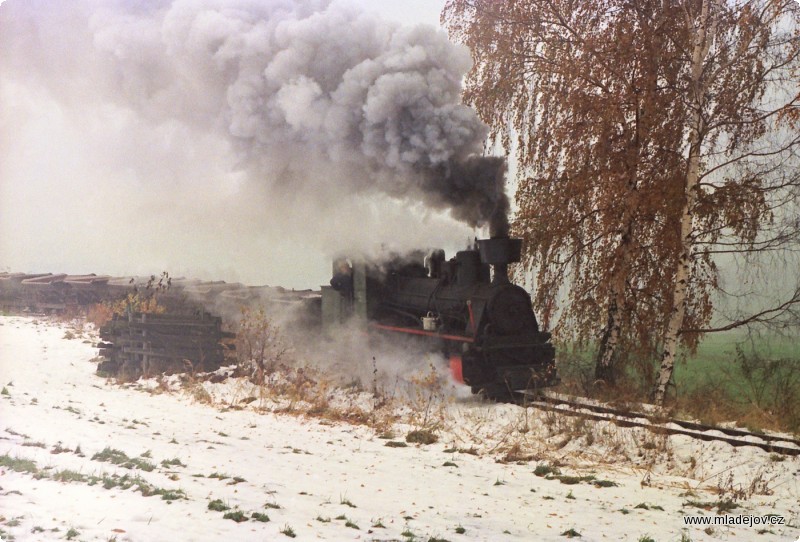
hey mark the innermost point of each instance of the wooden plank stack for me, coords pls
(141, 344)
(53, 293)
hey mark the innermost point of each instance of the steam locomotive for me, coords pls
(482, 322)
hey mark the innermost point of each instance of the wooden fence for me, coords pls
(142, 344)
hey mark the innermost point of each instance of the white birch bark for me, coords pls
(608, 343)
(703, 38)
(604, 362)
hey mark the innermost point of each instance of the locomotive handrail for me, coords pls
(471, 317)
(413, 331)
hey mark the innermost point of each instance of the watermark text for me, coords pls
(730, 520)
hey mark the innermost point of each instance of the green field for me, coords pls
(754, 381)
(717, 357)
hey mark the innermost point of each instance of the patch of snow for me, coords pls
(270, 455)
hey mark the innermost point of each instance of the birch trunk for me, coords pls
(704, 36)
(604, 367)
(606, 354)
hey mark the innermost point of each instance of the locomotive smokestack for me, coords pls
(499, 252)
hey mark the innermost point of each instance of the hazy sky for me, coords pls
(133, 142)
(405, 11)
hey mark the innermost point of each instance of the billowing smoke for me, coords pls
(475, 188)
(243, 116)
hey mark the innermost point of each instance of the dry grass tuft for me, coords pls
(422, 436)
(99, 314)
(428, 399)
(195, 389)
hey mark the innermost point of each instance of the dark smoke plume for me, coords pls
(292, 101)
(474, 187)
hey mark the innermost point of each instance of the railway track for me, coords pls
(572, 406)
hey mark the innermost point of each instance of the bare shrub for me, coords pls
(654, 447)
(195, 389)
(576, 370)
(732, 489)
(428, 399)
(144, 300)
(633, 376)
(99, 314)
(707, 401)
(641, 374)
(259, 345)
(756, 392)
(772, 386)
(517, 453)
(138, 302)
(162, 385)
(556, 422)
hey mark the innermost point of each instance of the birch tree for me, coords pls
(742, 174)
(645, 147)
(576, 90)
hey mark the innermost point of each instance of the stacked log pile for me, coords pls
(57, 293)
(140, 344)
(53, 293)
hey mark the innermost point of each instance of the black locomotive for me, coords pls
(484, 324)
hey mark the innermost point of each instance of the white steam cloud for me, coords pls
(237, 139)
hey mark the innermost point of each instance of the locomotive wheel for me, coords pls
(483, 379)
(471, 371)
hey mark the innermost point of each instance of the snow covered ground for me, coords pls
(180, 461)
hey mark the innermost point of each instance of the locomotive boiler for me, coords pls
(465, 306)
